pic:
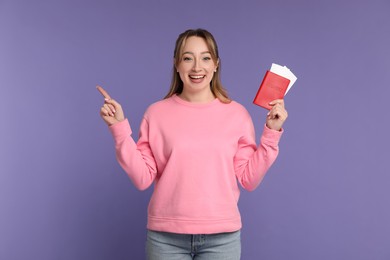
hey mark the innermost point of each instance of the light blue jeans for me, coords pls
(171, 246)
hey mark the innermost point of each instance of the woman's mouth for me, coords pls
(197, 76)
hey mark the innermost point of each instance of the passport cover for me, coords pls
(272, 87)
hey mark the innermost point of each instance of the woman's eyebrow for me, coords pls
(189, 52)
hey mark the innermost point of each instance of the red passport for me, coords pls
(272, 87)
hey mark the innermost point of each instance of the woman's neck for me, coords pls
(201, 97)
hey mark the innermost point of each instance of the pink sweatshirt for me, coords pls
(195, 154)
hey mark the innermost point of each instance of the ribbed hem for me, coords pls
(193, 226)
(120, 130)
(271, 136)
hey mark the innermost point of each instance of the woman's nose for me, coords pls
(196, 65)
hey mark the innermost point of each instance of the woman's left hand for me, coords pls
(277, 115)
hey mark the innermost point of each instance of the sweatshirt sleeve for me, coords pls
(136, 159)
(251, 162)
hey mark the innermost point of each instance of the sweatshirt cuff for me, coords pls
(120, 130)
(271, 136)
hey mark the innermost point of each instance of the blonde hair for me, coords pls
(215, 86)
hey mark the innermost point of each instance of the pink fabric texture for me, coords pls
(195, 154)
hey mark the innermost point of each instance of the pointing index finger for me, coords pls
(103, 92)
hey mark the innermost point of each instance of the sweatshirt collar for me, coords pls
(181, 101)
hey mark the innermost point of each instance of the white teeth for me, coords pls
(196, 77)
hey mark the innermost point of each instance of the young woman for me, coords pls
(195, 145)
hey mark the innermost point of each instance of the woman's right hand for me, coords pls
(111, 111)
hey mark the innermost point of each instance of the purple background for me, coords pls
(62, 193)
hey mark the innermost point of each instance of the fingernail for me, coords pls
(106, 99)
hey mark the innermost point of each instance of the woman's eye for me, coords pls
(187, 59)
(206, 58)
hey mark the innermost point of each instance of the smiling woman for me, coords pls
(196, 70)
(197, 50)
(195, 145)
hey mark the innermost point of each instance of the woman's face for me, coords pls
(196, 66)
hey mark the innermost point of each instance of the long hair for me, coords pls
(215, 86)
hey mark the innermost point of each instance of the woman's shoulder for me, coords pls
(238, 107)
(160, 103)
(159, 106)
